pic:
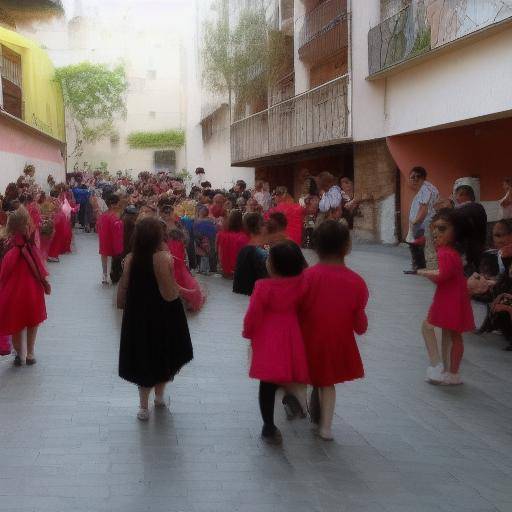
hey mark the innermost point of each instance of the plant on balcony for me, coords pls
(93, 95)
(422, 42)
(244, 59)
(164, 139)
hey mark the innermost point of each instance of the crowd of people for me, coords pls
(155, 237)
(486, 259)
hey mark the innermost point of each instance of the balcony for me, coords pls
(424, 27)
(319, 117)
(324, 31)
(14, 12)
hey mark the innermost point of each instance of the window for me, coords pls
(10, 70)
(164, 160)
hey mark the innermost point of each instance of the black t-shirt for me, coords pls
(250, 266)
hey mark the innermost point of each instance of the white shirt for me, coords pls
(427, 194)
(331, 199)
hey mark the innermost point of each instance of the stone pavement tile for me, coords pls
(67, 426)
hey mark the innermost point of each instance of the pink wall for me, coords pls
(21, 141)
(483, 150)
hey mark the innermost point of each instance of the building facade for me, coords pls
(434, 79)
(208, 112)
(31, 108)
(371, 89)
(147, 38)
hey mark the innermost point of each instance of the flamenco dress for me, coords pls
(110, 234)
(22, 301)
(229, 244)
(190, 291)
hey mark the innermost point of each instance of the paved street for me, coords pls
(69, 439)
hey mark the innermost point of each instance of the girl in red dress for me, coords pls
(23, 284)
(332, 309)
(191, 292)
(230, 242)
(451, 308)
(272, 325)
(110, 234)
(293, 212)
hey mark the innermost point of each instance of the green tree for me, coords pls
(245, 59)
(94, 95)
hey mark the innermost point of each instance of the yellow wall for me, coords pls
(42, 96)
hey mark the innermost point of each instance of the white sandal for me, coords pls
(143, 414)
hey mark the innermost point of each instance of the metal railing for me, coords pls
(424, 26)
(322, 19)
(318, 116)
(11, 70)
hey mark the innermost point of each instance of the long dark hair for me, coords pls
(147, 238)
(451, 216)
(287, 259)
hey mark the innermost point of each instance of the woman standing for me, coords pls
(155, 340)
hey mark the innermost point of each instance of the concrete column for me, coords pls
(1, 90)
(301, 70)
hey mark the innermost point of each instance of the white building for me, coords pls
(208, 123)
(147, 37)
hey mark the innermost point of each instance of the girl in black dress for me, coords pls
(155, 340)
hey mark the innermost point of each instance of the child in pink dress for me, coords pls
(332, 309)
(23, 284)
(272, 325)
(451, 308)
(110, 233)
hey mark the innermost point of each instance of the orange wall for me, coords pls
(483, 150)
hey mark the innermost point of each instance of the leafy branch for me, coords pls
(93, 96)
(165, 139)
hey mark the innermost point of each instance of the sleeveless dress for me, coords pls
(155, 340)
(451, 307)
(22, 301)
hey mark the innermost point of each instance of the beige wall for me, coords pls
(462, 84)
(145, 37)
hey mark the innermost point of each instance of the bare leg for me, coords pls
(16, 341)
(299, 391)
(144, 397)
(159, 394)
(429, 336)
(104, 264)
(446, 346)
(327, 404)
(31, 341)
(457, 352)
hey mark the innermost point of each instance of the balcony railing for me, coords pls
(322, 19)
(317, 117)
(424, 26)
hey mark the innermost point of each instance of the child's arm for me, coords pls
(431, 275)
(361, 320)
(254, 315)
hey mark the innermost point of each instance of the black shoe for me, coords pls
(271, 435)
(31, 362)
(292, 407)
(411, 272)
(17, 361)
